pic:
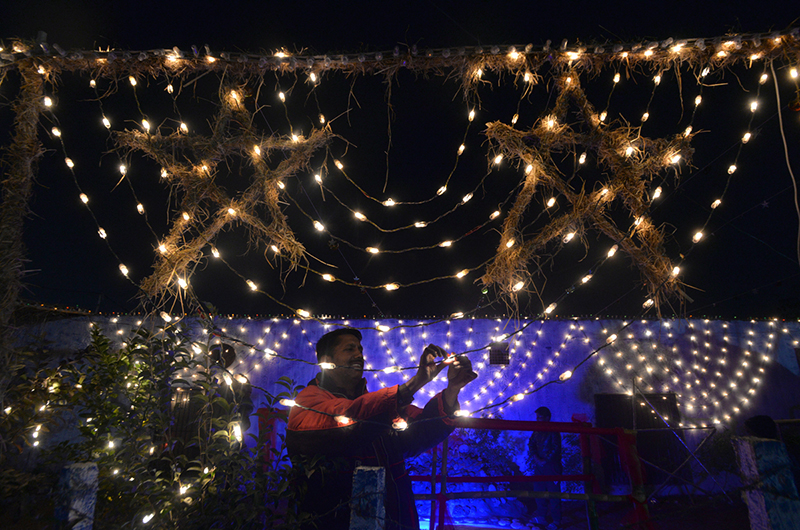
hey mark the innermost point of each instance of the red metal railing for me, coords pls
(626, 441)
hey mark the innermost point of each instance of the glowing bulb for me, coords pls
(648, 303)
(282, 96)
(698, 100)
(318, 178)
(184, 128)
(132, 80)
(551, 201)
(763, 79)
(517, 286)
(645, 116)
(566, 375)
(510, 243)
(498, 159)
(462, 273)
(391, 287)
(256, 150)
(586, 278)
(528, 169)
(629, 151)
(568, 237)
(462, 413)
(697, 237)
(48, 102)
(389, 202)
(676, 270)
(613, 250)
(444, 244)
(69, 162)
(657, 193)
(360, 216)
(319, 226)
(237, 432)
(146, 125)
(753, 106)
(603, 116)
(146, 519)
(616, 78)
(106, 123)
(732, 169)
(343, 420)
(466, 198)
(252, 285)
(549, 309)
(461, 148)
(84, 198)
(514, 119)
(140, 208)
(102, 233)
(746, 137)
(185, 216)
(328, 277)
(495, 214)
(327, 366)
(420, 224)
(111, 444)
(687, 131)
(399, 424)
(162, 248)
(182, 283)
(372, 250)
(582, 158)
(715, 204)
(92, 83)
(471, 115)
(441, 190)
(611, 338)
(303, 313)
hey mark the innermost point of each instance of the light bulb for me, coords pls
(391, 286)
(69, 162)
(327, 366)
(184, 128)
(753, 106)
(582, 158)
(510, 243)
(466, 198)
(732, 169)
(214, 252)
(549, 309)
(185, 216)
(146, 125)
(462, 273)
(763, 79)
(360, 216)
(603, 116)
(282, 96)
(328, 277)
(586, 278)
(106, 123)
(303, 313)
(495, 214)
(252, 285)
(48, 102)
(84, 198)
(566, 375)
(140, 208)
(568, 237)
(514, 119)
(389, 202)
(56, 132)
(102, 233)
(697, 237)
(319, 226)
(551, 201)
(616, 78)
(715, 204)
(445, 244)
(420, 224)
(471, 115)
(676, 270)
(498, 159)
(372, 250)
(518, 286)
(182, 283)
(613, 250)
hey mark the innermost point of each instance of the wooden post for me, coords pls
(432, 524)
(367, 506)
(769, 489)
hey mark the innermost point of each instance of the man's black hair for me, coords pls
(544, 411)
(328, 341)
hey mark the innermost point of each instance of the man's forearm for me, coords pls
(450, 396)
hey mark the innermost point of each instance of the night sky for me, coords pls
(746, 267)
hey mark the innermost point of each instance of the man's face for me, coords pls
(542, 417)
(349, 360)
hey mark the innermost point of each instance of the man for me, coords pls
(349, 427)
(544, 455)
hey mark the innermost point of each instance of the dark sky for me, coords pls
(747, 267)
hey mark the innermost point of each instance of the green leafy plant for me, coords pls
(118, 407)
